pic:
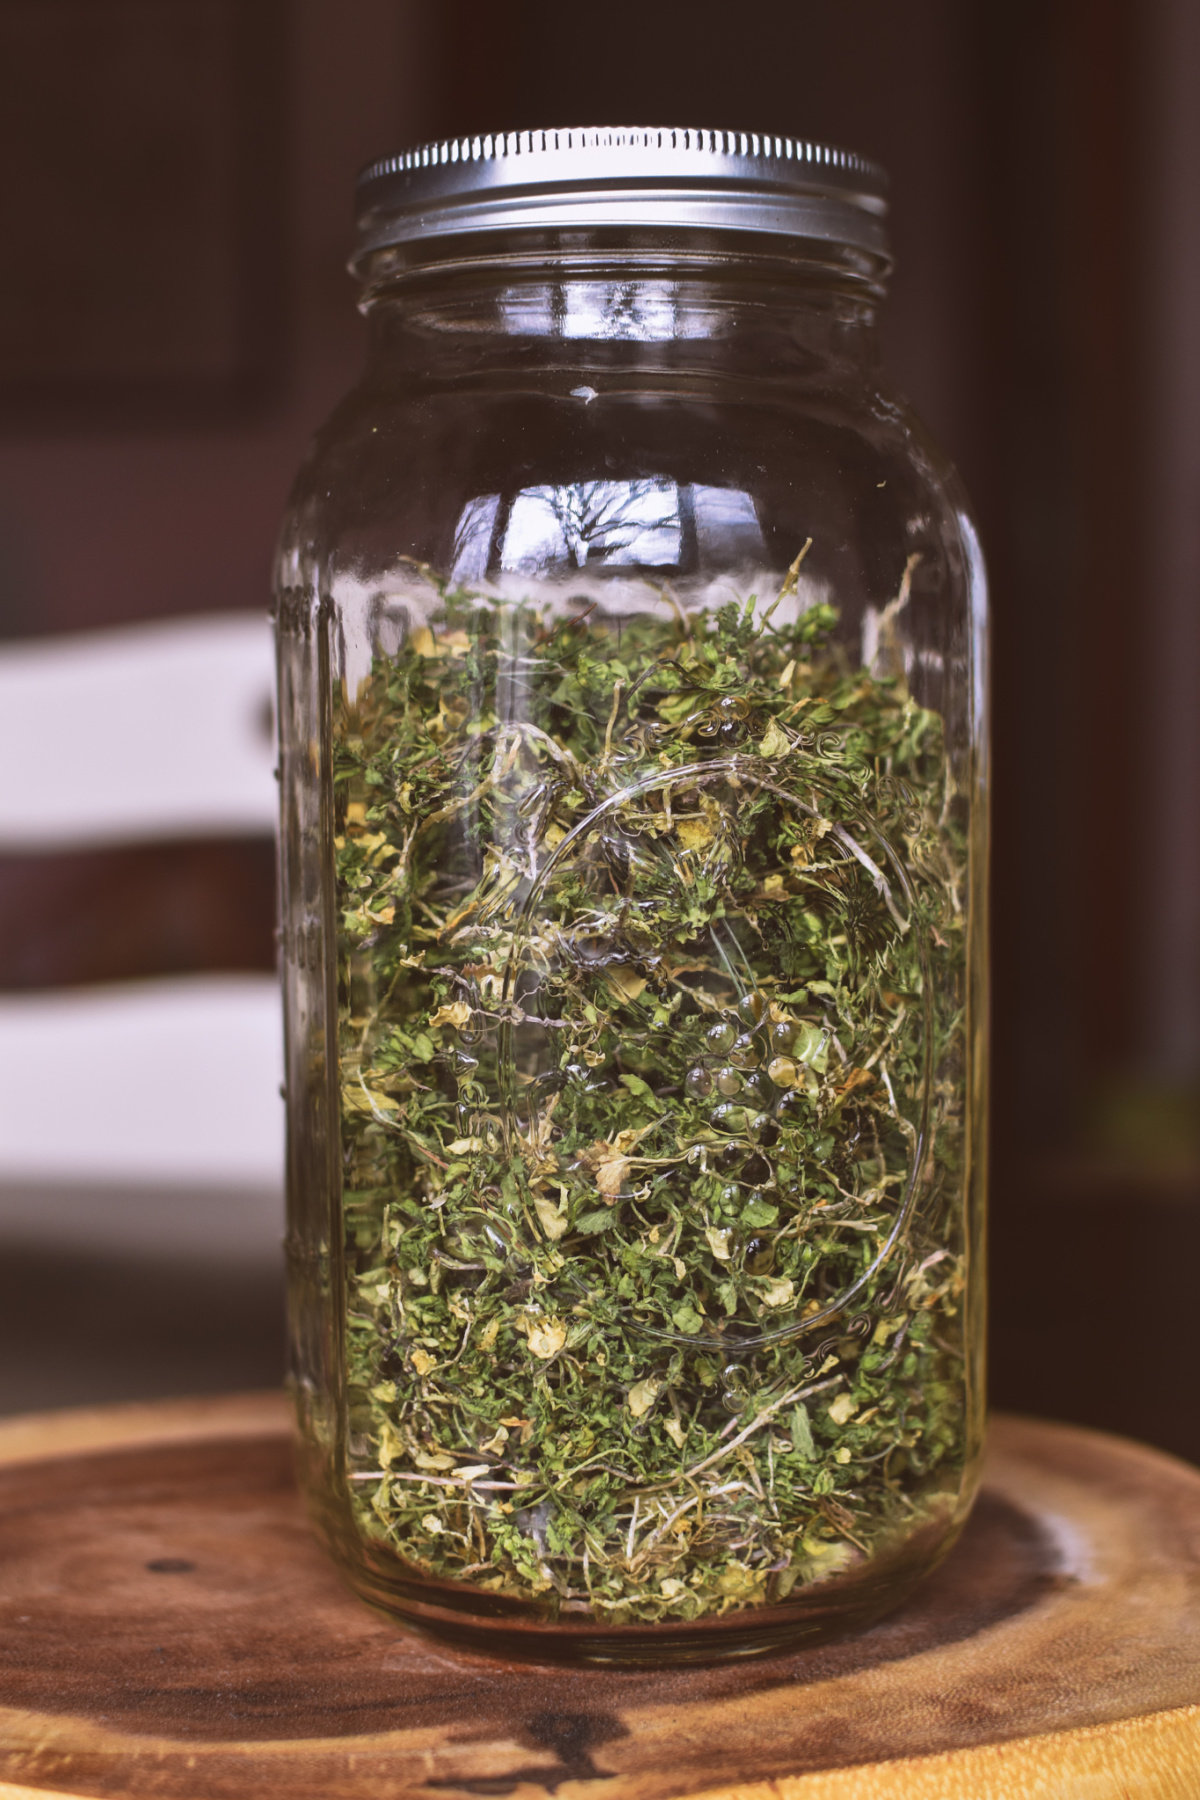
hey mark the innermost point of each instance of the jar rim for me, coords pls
(600, 177)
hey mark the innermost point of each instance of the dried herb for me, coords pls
(651, 976)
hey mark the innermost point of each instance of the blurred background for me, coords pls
(175, 319)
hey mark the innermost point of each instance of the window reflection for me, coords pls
(639, 311)
(473, 538)
(596, 524)
(728, 533)
(652, 524)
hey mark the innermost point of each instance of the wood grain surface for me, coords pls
(169, 1629)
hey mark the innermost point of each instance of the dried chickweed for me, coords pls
(650, 956)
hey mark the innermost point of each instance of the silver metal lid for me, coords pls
(622, 176)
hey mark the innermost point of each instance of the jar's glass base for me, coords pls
(833, 1609)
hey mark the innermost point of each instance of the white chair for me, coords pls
(141, 1118)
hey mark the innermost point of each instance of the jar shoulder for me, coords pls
(404, 471)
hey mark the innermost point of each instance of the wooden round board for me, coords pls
(169, 1629)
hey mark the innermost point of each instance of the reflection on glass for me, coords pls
(473, 538)
(652, 523)
(596, 522)
(636, 311)
(728, 533)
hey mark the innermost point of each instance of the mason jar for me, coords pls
(633, 755)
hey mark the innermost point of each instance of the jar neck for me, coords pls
(722, 308)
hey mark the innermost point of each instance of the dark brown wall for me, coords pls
(1044, 206)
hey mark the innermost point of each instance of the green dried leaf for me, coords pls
(592, 1222)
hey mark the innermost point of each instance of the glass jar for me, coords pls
(632, 708)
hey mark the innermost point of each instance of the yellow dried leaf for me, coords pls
(473, 1472)
(391, 1445)
(670, 1588)
(433, 1525)
(719, 1242)
(775, 741)
(462, 1146)
(553, 1219)
(779, 1292)
(675, 1432)
(547, 1337)
(642, 1395)
(610, 1161)
(843, 1409)
(627, 984)
(737, 1580)
(458, 1014)
(359, 1098)
(610, 1176)
(421, 642)
(422, 1362)
(438, 1462)
(356, 813)
(694, 834)
(491, 1332)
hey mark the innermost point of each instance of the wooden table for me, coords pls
(169, 1629)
